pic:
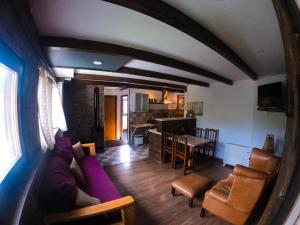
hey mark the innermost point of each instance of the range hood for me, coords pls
(164, 96)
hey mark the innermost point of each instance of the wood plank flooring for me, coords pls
(150, 184)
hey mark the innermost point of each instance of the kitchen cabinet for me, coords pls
(141, 102)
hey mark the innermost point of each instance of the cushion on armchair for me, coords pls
(59, 186)
(78, 151)
(77, 172)
(63, 147)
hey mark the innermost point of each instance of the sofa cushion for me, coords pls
(76, 170)
(63, 147)
(59, 186)
(97, 183)
(78, 151)
(84, 200)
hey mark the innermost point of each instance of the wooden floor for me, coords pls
(150, 184)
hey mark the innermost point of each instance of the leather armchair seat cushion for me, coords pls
(220, 191)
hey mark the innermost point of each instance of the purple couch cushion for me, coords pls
(59, 185)
(63, 147)
(98, 183)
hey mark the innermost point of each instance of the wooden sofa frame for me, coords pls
(125, 204)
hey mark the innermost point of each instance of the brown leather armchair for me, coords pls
(234, 198)
(265, 162)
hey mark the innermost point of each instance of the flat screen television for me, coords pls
(272, 96)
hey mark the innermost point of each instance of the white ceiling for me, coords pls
(248, 26)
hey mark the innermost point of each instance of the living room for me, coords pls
(135, 112)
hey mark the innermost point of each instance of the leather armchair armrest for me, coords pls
(240, 170)
(92, 148)
(230, 178)
(125, 204)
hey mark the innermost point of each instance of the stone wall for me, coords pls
(78, 101)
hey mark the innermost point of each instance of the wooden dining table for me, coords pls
(193, 142)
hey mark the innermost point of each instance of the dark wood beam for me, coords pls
(151, 74)
(127, 81)
(173, 17)
(163, 76)
(95, 46)
(123, 85)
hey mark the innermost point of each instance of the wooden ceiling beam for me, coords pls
(151, 74)
(167, 14)
(158, 75)
(124, 85)
(96, 46)
(127, 81)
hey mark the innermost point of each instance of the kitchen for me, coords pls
(148, 105)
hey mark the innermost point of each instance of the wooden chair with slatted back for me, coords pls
(198, 132)
(168, 148)
(181, 151)
(212, 135)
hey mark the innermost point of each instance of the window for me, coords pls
(9, 131)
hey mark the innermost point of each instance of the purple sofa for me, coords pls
(59, 188)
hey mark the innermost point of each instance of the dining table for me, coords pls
(193, 142)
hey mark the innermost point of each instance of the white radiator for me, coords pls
(236, 154)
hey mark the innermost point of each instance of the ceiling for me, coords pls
(250, 28)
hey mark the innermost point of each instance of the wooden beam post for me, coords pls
(287, 185)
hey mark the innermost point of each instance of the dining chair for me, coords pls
(181, 151)
(168, 148)
(199, 132)
(211, 135)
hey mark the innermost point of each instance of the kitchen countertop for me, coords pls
(154, 131)
(174, 118)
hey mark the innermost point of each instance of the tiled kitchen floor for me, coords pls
(123, 154)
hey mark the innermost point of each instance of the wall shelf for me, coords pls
(268, 109)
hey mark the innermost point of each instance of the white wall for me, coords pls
(233, 110)
(117, 92)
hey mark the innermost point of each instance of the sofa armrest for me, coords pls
(125, 204)
(92, 148)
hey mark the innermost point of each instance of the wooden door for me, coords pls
(110, 120)
(124, 118)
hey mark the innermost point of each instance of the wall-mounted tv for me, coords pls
(272, 96)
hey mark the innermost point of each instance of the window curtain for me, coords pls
(58, 116)
(51, 115)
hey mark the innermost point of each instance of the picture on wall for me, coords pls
(196, 108)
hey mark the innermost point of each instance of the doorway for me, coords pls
(110, 118)
(124, 118)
